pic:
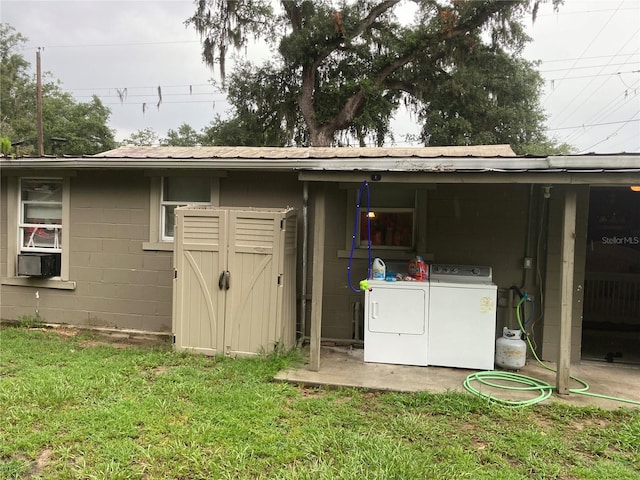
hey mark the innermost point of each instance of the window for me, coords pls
(398, 219)
(171, 191)
(40, 224)
(179, 191)
(390, 228)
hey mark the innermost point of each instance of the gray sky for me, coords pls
(590, 54)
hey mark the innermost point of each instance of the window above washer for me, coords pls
(393, 220)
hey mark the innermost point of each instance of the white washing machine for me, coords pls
(396, 322)
(462, 316)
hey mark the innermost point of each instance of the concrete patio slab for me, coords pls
(345, 367)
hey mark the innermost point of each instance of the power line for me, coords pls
(554, 80)
(589, 66)
(586, 86)
(151, 104)
(149, 95)
(592, 41)
(109, 45)
(607, 111)
(595, 124)
(589, 58)
(561, 13)
(612, 135)
(184, 85)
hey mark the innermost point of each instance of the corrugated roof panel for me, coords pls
(307, 153)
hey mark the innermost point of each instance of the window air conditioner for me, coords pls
(39, 264)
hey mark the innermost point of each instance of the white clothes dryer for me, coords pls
(396, 322)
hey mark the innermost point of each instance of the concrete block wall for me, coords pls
(267, 190)
(339, 299)
(472, 224)
(117, 283)
(3, 232)
(480, 225)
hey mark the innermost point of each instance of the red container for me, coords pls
(418, 269)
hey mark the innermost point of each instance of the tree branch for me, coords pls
(293, 14)
(353, 103)
(373, 15)
(351, 106)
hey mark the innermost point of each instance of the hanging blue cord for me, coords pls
(364, 186)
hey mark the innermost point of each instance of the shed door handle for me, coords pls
(223, 280)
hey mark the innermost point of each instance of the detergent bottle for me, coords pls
(418, 269)
(378, 269)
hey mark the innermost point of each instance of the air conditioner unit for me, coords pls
(39, 264)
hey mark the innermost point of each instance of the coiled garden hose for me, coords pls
(517, 382)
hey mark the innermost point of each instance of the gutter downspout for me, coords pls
(305, 241)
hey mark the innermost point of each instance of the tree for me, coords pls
(185, 136)
(491, 97)
(70, 127)
(145, 137)
(14, 81)
(264, 113)
(347, 71)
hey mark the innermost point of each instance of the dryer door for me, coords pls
(397, 310)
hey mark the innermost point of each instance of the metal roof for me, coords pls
(485, 159)
(306, 153)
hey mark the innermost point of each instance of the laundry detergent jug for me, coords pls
(418, 269)
(378, 269)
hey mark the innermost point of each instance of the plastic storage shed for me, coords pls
(235, 280)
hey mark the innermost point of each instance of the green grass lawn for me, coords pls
(79, 406)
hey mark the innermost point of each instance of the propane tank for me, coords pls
(378, 269)
(511, 350)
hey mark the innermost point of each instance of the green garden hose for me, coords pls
(517, 382)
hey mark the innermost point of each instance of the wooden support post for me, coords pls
(319, 222)
(566, 307)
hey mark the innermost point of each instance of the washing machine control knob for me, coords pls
(475, 271)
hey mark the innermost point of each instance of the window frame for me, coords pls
(24, 225)
(14, 241)
(174, 203)
(385, 246)
(419, 207)
(156, 213)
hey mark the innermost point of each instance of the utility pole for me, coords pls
(40, 127)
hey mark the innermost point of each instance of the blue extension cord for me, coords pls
(364, 186)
